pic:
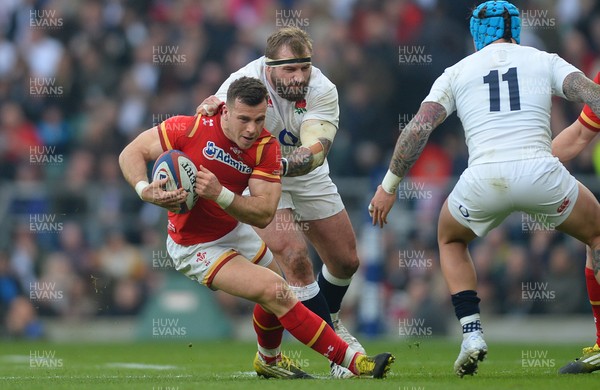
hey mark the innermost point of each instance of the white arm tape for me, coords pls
(225, 198)
(390, 182)
(310, 132)
(139, 187)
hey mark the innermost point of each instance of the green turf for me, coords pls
(177, 364)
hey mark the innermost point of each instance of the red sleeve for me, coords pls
(176, 128)
(268, 160)
(587, 116)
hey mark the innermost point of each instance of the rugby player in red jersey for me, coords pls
(566, 146)
(214, 245)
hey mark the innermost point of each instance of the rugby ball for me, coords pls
(181, 172)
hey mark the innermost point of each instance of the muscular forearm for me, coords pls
(571, 141)
(413, 138)
(302, 160)
(255, 211)
(135, 156)
(578, 88)
(133, 166)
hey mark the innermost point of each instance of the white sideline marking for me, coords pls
(92, 377)
(243, 374)
(14, 358)
(140, 366)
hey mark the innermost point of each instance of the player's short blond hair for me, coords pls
(293, 37)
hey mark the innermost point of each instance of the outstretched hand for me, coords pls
(380, 206)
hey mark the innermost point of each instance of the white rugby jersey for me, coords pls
(502, 95)
(285, 117)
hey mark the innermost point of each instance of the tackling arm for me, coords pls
(316, 137)
(578, 88)
(571, 141)
(412, 140)
(574, 138)
(409, 147)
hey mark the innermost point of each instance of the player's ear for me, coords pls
(225, 112)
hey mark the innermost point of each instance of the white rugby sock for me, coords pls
(304, 293)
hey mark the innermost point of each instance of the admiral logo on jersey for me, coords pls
(213, 152)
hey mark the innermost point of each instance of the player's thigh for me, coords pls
(286, 240)
(478, 203)
(334, 241)
(583, 222)
(282, 235)
(450, 230)
(202, 261)
(243, 279)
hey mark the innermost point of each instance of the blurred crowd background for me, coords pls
(80, 78)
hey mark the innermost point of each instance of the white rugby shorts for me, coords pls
(311, 197)
(201, 262)
(487, 193)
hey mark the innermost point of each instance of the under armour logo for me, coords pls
(329, 350)
(207, 122)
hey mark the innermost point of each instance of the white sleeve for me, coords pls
(251, 70)
(324, 106)
(441, 92)
(560, 70)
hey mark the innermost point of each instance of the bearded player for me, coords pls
(214, 245)
(303, 115)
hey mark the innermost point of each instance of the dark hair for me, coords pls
(507, 25)
(248, 90)
(295, 38)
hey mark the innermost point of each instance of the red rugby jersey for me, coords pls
(203, 140)
(587, 116)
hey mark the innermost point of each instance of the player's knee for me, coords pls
(296, 258)
(344, 267)
(275, 295)
(350, 267)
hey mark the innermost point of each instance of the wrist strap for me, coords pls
(140, 186)
(225, 198)
(390, 182)
(284, 166)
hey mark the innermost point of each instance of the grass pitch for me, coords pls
(425, 364)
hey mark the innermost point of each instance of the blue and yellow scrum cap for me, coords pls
(494, 20)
